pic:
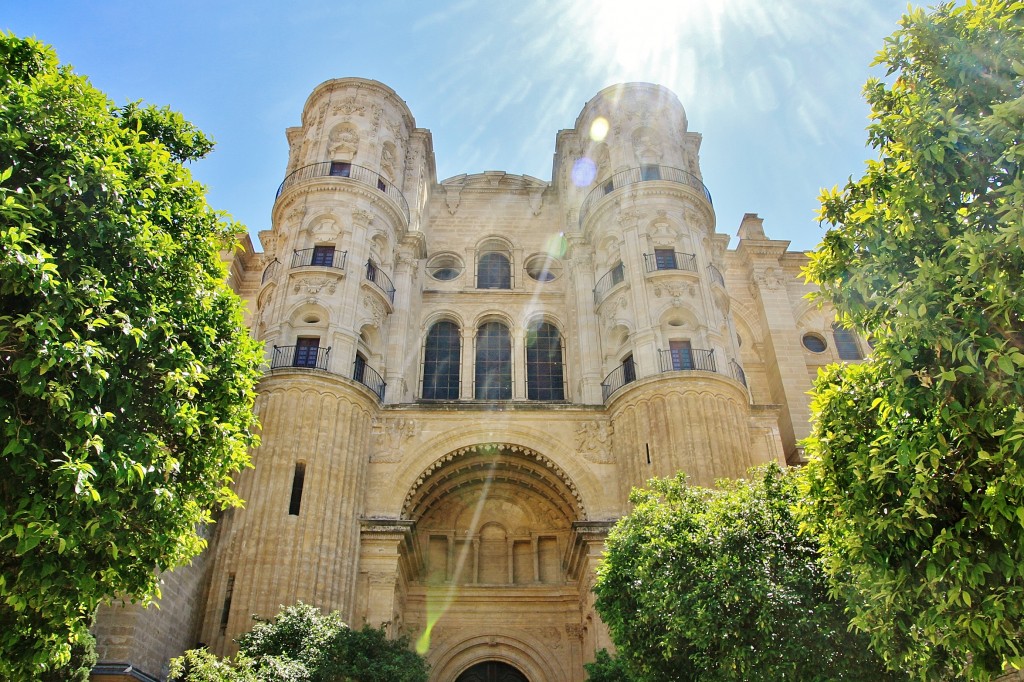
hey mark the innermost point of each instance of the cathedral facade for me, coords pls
(465, 378)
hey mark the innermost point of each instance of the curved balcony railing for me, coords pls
(617, 378)
(349, 171)
(383, 282)
(310, 357)
(270, 272)
(716, 276)
(687, 360)
(633, 176)
(737, 372)
(324, 258)
(609, 280)
(670, 260)
(368, 377)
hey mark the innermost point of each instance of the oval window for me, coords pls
(444, 267)
(814, 343)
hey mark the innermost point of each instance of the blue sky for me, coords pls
(773, 85)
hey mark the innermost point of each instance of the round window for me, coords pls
(444, 267)
(814, 343)
(543, 268)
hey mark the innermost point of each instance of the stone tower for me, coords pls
(464, 378)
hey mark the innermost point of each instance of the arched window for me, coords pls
(493, 362)
(441, 362)
(493, 271)
(846, 343)
(544, 375)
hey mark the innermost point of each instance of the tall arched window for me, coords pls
(493, 362)
(441, 359)
(544, 380)
(493, 271)
(846, 343)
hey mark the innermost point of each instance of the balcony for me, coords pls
(634, 176)
(716, 276)
(368, 377)
(614, 276)
(687, 360)
(319, 256)
(738, 373)
(670, 260)
(348, 172)
(383, 282)
(270, 272)
(617, 378)
(309, 357)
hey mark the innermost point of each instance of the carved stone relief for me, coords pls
(374, 309)
(390, 436)
(314, 285)
(593, 441)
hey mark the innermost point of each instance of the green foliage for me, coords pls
(303, 645)
(79, 667)
(126, 375)
(917, 471)
(716, 585)
(607, 668)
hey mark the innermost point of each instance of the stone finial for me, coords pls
(751, 227)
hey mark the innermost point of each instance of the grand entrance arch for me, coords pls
(492, 671)
(497, 586)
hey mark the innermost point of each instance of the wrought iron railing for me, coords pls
(270, 272)
(310, 357)
(737, 372)
(632, 176)
(368, 377)
(716, 276)
(383, 282)
(325, 258)
(670, 260)
(687, 359)
(617, 378)
(610, 279)
(363, 176)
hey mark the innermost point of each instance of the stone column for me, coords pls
(783, 354)
(384, 552)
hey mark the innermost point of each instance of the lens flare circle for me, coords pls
(584, 171)
(599, 129)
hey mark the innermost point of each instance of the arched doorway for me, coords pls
(492, 671)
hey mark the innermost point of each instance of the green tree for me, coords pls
(716, 585)
(916, 478)
(607, 668)
(304, 645)
(126, 374)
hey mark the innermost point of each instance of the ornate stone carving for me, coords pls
(629, 217)
(768, 278)
(675, 291)
(593, 441)
(362, 218)
(575, 630)
(348, 107)
(390, 436)
(314, 285)
(343, 141)
(374, 309)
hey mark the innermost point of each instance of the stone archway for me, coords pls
(492, 671)
(489, 591)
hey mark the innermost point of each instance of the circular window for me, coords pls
(444, 267)
(814, 343)
(543, 268)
